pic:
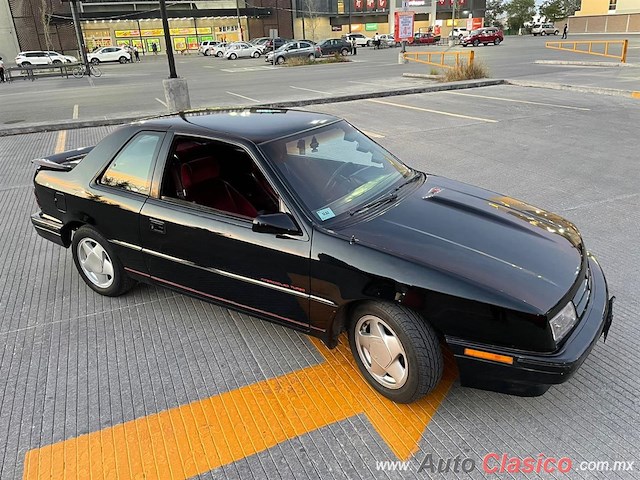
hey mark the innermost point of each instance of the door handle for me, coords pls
(156, 226)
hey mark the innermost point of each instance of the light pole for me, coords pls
(175, 89)
(79, 37)
(239, 26)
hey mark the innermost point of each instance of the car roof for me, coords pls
(255, 124)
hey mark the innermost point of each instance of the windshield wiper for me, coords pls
(389, 197)
(416, 176)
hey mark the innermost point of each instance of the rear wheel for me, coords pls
(476, 43)
(233, 56)
(97, 264)
(255, 54)
(556, 32)
(496, 41)
(95, 61)
(280, 60)
(25, 64)
(311, 57)
(344, 52)
(543, 33)
(57, 62)
(396, 350)
(219, 54)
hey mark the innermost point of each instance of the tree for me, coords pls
(310, 10)
(519, 12)
(494, 9)
(554, 10)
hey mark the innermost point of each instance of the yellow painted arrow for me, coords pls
(203, 435)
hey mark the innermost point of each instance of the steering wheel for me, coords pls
(331, 183)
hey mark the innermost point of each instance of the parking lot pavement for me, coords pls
(160, 385)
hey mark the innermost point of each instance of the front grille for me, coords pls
(581, 297)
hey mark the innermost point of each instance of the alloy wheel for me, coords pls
(95, 263)
(381, 352)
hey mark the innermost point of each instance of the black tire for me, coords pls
(497, 41)
(280, 60)
(311, 57)
(543, 33)
(219, 54)
(25, 64)
(424, 361)
(57, 62)
(255, 54)
(206, 53)
(233, 56)
(556, 32)
(476, 43)
(369, 43)
(344, 52)
(95, 61)
(121, 281)
(123, 60)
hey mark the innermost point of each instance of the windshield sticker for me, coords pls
(325, 214)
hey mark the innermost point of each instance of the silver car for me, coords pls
(294, 49)
(544, 29)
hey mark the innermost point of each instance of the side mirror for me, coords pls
(278, 223)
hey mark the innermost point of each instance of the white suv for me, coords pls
(459, 33)
(360, 39)
(39, 57)
(206, 45)
(109, 54)
(544, 29)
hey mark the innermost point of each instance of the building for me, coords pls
(606, 16)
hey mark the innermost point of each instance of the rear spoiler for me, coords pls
(64, 161)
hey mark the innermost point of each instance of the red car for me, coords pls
(485, 36)
(424, 38)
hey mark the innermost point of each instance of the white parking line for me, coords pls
(75, 111)
(518, 101)
(246, 98)
(310, 90)
(367, 83)
(163, 103)
(449, 114)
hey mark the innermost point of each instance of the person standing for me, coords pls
(136, 54)
(1, 71)
(154, 48)
(376, 41)
(565, 30)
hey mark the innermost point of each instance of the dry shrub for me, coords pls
(465, 71)
(297, 61)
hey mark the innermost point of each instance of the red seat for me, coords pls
(202, 184)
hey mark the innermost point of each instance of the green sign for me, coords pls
(371, 27)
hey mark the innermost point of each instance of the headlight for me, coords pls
(563, 322)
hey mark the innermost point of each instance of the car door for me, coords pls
(195, 240)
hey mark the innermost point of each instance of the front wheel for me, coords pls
(476, 43)
(233, 56)
(95, 61)
(280, 60)
(311, 57)
(97, 263)
(396, 350)
(543, 33)
(123, 60)
(219, 54)
(496, 41)
(556, 32)
(255, 54)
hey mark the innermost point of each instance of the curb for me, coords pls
(575, 88)
(584, 64)
(76, 124)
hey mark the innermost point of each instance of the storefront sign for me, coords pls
(336, 28)
(158, 32)
(371, 27)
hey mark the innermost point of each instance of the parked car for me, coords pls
(273, 44)
(485, 36)
(300, 219)
(240, 50)
(294, 49)
(331, 46)
(424, 39)
(109, 54)
(459, 33)
(260, 41)
(544, 29)
(206, 47)
(218, 50)
(388, 40)
(39, 57)
(360, 39)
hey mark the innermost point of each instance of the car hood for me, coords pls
(523, 254)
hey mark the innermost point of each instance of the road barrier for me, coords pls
(444, 59)
(588, 48)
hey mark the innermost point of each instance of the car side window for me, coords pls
(217, 175)
(132, 167)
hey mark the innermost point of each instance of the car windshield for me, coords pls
(476, 32)
(335, 169)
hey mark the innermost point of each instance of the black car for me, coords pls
(299, 218)
(331, 46)
(274, 44)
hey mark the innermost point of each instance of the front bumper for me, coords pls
(48, 227)
(532, 374)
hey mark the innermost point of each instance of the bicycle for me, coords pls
(80, 71)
